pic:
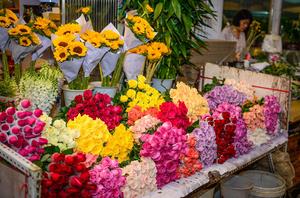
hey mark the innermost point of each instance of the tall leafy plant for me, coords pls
(175, 22)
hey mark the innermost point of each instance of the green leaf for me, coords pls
(171, 12)
(187, 23)
(177, 8)
(45, 157)
(157, 10)
(68, 151)
(168, 39)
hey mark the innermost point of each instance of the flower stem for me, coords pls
(32, 66)
(5, 67)
(17, 72)
(100, 72)
(118, 71)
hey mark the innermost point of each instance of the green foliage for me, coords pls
(281, 68)
(174, 21)
(8, 88)
(211, 86)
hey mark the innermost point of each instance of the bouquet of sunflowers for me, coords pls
(137, 32)
(23, 42)
(69, 52)
(103, 48)
(154, 52)
(7, 20)
(44, 28)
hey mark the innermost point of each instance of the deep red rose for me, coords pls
(72, 190)
(80, 167)
(55, 176)
(57, 157)
(69, 159)
(85, 176)
(75, 182)
(85, 194)
(78, 99)
(87, 94)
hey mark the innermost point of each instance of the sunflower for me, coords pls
(138, 28)
(52, 25)
(4, 22)
(136, 19)
(41, 23)
(61, 54)
(129, 17)
(153, 54)
(89, 34)
(149, 8)
(11, 16)
(63, 41)
(110, 35)
(142, 49)
(13, 32)
(121, 42)
(47, 32)
(2, 12)
(114, 45)
(150, 33)
(35, 39)
(161, 47)
(96, 42)
(77, 48)
(25, 41)
(85, 10)
(69, 28)
(23, 29)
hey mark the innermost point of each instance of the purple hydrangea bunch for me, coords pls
(271, 111)
(206, 143)
(225, 93)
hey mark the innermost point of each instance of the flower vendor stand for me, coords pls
(30, 173)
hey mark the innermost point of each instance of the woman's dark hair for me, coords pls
(241, 15)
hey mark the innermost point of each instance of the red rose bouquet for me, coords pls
(67, 176)
(96, 106)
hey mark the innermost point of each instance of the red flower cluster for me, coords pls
(177, 115)
(67, 176)
(97, 106)
(225, 132)
(190, 159)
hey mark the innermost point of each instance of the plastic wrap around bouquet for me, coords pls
(3, 38)
(45, 44)
(7, 19)
(137, 32)
(103, 48)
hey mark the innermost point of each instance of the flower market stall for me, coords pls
(70, 134)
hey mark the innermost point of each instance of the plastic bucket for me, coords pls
(70, 94)
(236, 187)
(97, 88)
(265, 184)
(162, 85)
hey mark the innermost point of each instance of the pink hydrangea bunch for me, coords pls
(255, 117)
(271, 110)
(140, 178)
(108, 177)
(165, 147)
(21, 130)
(143, 125)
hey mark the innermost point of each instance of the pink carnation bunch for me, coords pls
(165, 147)
(108, 177)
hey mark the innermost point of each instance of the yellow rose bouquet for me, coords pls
(43, 28)
(154, 53)
(23, 42)
(7, 19)
(196, 104)
(104, 49)
(69, 52)
(137, 32)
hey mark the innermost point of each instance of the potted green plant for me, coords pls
(174, 21)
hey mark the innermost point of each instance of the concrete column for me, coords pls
(215, 24)
(275, 16)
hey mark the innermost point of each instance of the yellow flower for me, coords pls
(13, 32)
(131, 93)
(47, 32)
(63, 41)
(52, 25)
(61, 54)
(123, 98)
(132, 84)
(93, 134)
(41, 23)
(141, 79)
(85, 10)
(23, 29)
(153, 55)
(114, 45)
(77, 48)
(11, 15)
(119, 145)
(24, 41)
(149, 8)
(69, 28)
(96, 42)
(129, 17)
(4, 22)
(35, 39)
(121, 42)
(138, 28)
(161, 47)
(150, 34)
(110, 35)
